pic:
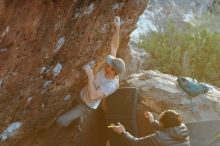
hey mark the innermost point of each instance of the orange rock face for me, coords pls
(43, 46)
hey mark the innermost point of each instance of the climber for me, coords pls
(100, 85)
(169, 131)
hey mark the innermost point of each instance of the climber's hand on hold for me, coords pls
(88, 70)
(117, 22)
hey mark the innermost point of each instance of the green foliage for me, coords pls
(193, 52)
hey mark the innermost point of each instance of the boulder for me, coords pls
(159, 92)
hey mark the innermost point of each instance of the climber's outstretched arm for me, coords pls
(115, 37)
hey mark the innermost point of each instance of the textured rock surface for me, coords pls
(159, 92)
(43, 45)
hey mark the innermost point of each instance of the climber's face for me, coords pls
(109, 70)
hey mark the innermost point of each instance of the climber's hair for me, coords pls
(170, 118)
